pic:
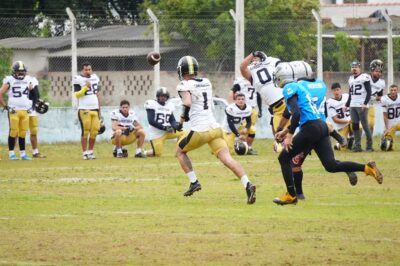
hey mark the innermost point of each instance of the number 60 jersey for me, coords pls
(200, 115)
(162, 115)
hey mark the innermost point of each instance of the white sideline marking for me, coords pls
(82, 180)
(355, 204)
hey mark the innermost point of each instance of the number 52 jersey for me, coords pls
(200, 115)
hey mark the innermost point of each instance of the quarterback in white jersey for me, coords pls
(163, 124)
(236, 114)
(391, 111)
(126, 129)
(258, 68)
(86, 87)
(377, 86)
(196, 94)
(359, 97)
(18, 86)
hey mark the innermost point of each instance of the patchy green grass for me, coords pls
(63, 210)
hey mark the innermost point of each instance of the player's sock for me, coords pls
(21, 142)
(244, 179)
(22, 153)
(192, 176)
(138, 150)
(89, 151)
(119, 150)
(11, 153)
(298, 181)
(35, 151)
(11, 143)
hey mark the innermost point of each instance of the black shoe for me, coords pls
(300, 196)
(196, 186)
(357, 150)
(369, 150)
(251, 152)
(352, 178)
(140, 155)
(251, 193)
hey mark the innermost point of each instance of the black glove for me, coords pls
(260, 55)
(178, 126)
(169, 129)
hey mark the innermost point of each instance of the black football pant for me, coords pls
(314, 135)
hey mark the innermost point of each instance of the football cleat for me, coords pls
(251, 193)
(250, 151)
(352, 178)
(91, 156)
(25, 158)
(196, 186)
(38, 155)
(372, 170)
(140, 155)
(285, 199)
(86, 157)
(120, 155)
(13, 157)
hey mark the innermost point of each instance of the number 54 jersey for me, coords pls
(18, 92)
(162, 115)
(200, 115)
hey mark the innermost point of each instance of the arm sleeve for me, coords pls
(294, 122)
(231, 124)
(259, 102)
(367, 86)
(248, 122)
(34, 95)
(348, 100)
(152, 121)
(172, 121)
(79, 91)
(380, 93)
(286, 113)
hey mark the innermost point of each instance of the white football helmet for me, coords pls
(291, 71)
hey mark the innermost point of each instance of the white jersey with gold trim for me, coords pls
(124, 121)
(357, 89)
(263, 80)
(376, 88)
(18, 92)
(238, 116)
(89, 100)
(162, 115)
(336, 108)
(392, 108)
(200, 114)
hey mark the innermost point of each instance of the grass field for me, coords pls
(65, 211)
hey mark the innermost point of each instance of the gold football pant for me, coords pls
(19, 123)
(90, 122)
(392, 130)
(213, 137)
(33, 125)
(158, 143)
(125, 140)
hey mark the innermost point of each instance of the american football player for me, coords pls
(126, 130)
(377, 86)
(313, 134)
(18, 87)
(196, 95)
(86, 87)
(163, 124)
(258, 68)
(236, 114)
(253, 99)
(339, 113)
(359, 97)
(391, 112)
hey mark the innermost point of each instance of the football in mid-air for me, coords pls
(153, 58)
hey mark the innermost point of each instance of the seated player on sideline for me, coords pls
(391, 116)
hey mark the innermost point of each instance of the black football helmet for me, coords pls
(241, 147)
(102, 128)
(387, 143)
(376, 64)
(18, 70)
(41, 106)
(355, 63)
(187, 65)
(162, 91)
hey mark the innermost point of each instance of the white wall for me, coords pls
(35, 61)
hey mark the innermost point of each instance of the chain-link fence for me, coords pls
(117, 50)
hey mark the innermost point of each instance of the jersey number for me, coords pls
(393, 112)
(263, 76)
(17, 93)
(162, 118)
(205, 102)
(356, 90)
(93, 90)
(251, 90)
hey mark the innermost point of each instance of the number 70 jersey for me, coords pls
(200, 115)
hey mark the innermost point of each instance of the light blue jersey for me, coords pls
(308, 110)
(317, 89)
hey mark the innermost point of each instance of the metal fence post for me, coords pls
(238, 17)
(319, 45)
(389, 47)
(156, 26)
(74, 56)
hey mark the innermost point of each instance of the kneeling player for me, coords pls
(391, 116)
(235, 114)
(127, 129)
(162, 122)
